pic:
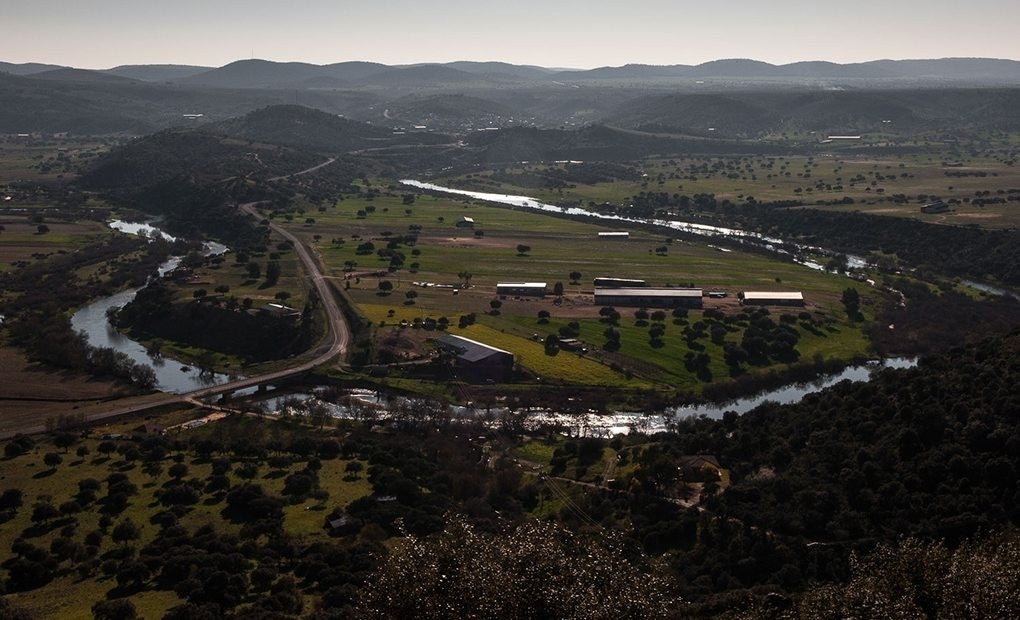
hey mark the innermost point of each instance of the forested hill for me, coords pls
(307, 128)
(932, 452)
(191, 154)
(294, 125)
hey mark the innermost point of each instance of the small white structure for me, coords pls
(524, 289)
(614, 235)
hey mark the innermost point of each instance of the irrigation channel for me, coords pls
(172, 375)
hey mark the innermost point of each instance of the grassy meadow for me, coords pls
(871, 182)
(556, 247)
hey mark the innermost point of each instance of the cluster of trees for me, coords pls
(978, 254)
(256, 337)
(929, 452)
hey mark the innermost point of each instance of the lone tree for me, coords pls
(558, 289)
(385, 286)
(575, 277)
(852, 302)
(523, 249)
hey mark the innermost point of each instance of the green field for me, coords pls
(557, 246)
(871, 182)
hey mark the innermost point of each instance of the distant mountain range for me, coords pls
(264, 74)
(732, 99)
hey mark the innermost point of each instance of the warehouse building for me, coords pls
(614, 235)
(523, 289)
(758, 298)
(618, 283)
(648, 297)
(477, 362)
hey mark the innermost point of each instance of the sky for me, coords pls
(553, 33)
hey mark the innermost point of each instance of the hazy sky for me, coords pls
(557, 33)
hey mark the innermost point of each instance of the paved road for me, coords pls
(334, 345)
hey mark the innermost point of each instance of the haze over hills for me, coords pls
(265, 74)
(737, 98)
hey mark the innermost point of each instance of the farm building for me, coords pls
(279, 311)
(526, 289)
(648, 297)
(477, 362)
(935, 207)
(618, 283)
(466, 222)
(718, 294)
(757, 298)
(614, 235)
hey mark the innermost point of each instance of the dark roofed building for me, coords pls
(649, 297)
(603, 282)
(523, 289)
(477, 362)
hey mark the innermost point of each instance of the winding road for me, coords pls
(335, 344)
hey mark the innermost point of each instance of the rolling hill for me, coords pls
(293, 125)
(156, 73)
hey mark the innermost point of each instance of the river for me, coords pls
(171, 375)
(609, 424)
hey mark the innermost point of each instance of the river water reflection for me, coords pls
(171, 375)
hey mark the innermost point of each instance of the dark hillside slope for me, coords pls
(931, 452)
(28, 105)
(193, 155)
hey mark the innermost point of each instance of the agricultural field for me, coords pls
(45, 161)
(978, 187)
(450, 272)
(53, 476)
(22, 239)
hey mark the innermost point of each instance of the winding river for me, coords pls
(171, 375)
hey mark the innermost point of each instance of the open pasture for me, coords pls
(432, 282)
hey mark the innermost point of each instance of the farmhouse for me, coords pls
(526, 289)
(648, 297)
(477, 362)
(935, 207)
(279, 311)
(757, 298)
(614, 235)
(466, 222)
(618, 283)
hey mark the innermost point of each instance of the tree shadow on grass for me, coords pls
(44, 474)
